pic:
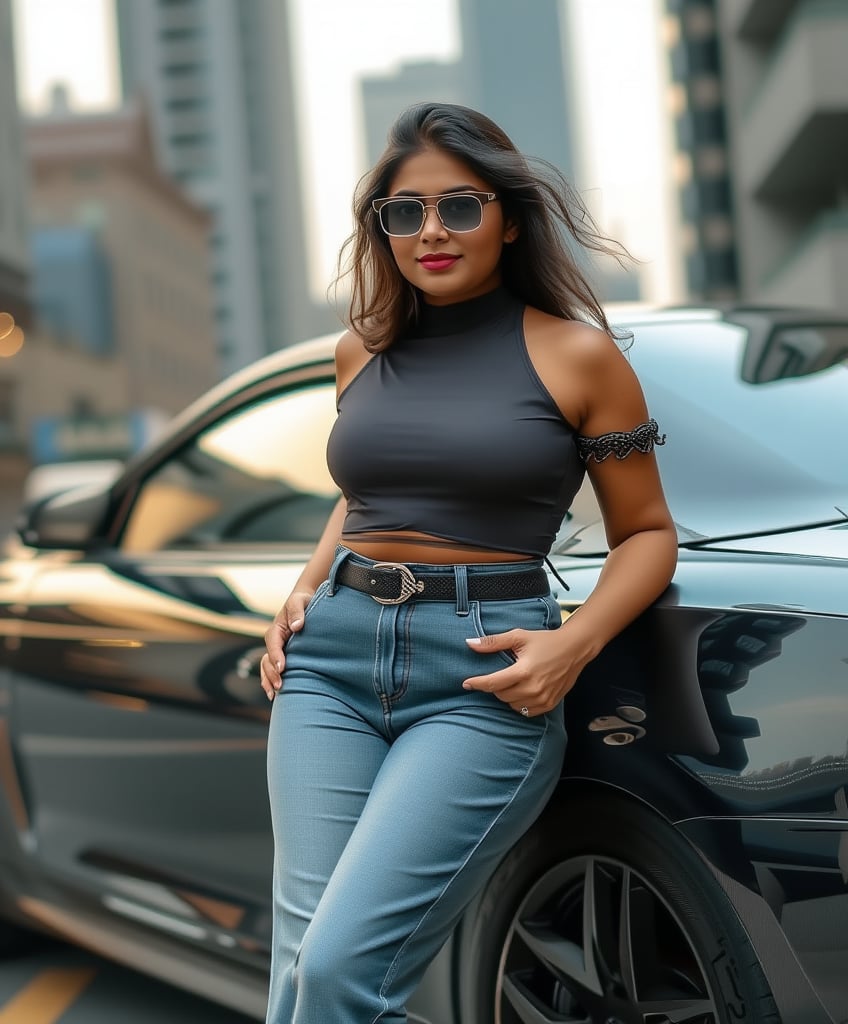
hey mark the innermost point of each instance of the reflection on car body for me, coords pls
(693, 865)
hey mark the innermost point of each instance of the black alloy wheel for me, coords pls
(604, 914)
(593, 941)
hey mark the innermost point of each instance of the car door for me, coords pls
(138, 721)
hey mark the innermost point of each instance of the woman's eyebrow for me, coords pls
(447, 192)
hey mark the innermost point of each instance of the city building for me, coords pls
(702, 161)
(57, 365)
(44, 376)
(786, 89)
(72, 286)
(216, 76)
(120, 273)
(515, 56)
(384, 96)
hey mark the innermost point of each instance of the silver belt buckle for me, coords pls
(409, 585)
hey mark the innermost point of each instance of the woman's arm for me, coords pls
(289, 619)
(640, 533)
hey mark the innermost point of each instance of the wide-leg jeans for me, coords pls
(394, 792)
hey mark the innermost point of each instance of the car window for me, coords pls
(257, 476)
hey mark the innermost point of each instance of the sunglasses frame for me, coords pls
(482, 198)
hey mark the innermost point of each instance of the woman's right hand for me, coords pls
(288, 620)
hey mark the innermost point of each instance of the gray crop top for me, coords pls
(451, 432)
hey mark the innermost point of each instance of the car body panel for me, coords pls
(742, 742)
(138, 698)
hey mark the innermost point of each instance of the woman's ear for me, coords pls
(510, 232)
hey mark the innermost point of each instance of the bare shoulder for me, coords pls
(350, 346)
(577, 362)
(351, 356)
(583, 345)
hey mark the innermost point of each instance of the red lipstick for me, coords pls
(437, 260)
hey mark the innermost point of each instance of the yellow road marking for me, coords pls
(47, 996)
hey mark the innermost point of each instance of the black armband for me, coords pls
(620, 443)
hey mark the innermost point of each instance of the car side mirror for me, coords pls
(70, 519)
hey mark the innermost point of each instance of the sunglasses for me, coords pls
(402, 216)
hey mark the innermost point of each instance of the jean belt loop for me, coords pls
(461, 575)
(341, 554)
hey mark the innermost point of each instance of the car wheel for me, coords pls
(603, 913)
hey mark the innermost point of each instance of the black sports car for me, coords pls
(693, 865)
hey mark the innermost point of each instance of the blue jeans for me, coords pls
(394, 792)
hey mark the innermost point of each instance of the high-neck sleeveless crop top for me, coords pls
(451, 432)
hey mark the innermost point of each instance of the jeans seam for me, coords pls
(392, 968)
(378, 656)
(407, 656)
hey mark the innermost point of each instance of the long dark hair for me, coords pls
(539, 267)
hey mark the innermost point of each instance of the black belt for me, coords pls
(394, 583)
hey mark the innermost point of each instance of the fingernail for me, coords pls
(296, 623)
(270, 696)
(279, 666)
(279, 685)
(467, 686)
(475, 640)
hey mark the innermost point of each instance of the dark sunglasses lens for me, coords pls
(402, 217)
(460, 213)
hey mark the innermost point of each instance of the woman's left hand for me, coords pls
(547, 666)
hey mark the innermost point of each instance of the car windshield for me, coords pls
(756, 422)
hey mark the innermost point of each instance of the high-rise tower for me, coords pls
(216, 75)
(787, 92)
(513, 58)
(702, 160)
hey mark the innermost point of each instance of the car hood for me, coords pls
(774, 511)
(815, 542)
(777, 524)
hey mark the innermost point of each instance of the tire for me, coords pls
(524, 956)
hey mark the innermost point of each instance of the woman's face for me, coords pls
(471, 264)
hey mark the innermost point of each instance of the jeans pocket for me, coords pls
(492, 617)
(316, 598)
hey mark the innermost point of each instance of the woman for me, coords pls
(420, 663)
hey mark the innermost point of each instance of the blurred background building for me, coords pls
(382, 96)
(105, 303)
(514, 57)
(759, 93)
(702, 165)
(119, 255)
(217, 77)
(785, 71)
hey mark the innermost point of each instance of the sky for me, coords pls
(622, 161)
(65, 40)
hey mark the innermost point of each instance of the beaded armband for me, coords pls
(620, 443)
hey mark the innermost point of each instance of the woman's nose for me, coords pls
(432, 226)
